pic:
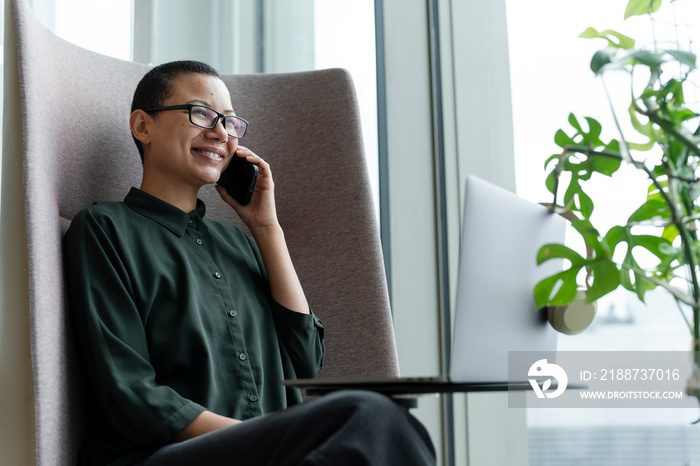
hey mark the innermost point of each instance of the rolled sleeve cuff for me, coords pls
(165, 432)
(303, 337)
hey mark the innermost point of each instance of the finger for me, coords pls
(252, 157)
(248, 155)
(265, 173)
(244, 152)
(226, 196)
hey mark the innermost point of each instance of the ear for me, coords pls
(140, 123)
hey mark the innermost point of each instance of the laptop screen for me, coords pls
(495, 309)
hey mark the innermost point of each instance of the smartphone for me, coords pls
(239, 179)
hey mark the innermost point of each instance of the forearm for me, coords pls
(260, 216)
(284, 282)
(202, 424)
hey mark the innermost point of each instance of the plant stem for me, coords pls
(677, 219)
(677, 294)
(670, 129)
(685, 318)
(686, 243)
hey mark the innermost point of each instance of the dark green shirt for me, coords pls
(173, 315)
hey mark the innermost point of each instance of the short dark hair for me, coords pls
(159, 84)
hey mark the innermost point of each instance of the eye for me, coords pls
(199, 112)
(235, 126)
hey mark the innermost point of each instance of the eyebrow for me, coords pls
(204, 102)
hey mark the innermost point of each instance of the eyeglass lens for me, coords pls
(207, 118)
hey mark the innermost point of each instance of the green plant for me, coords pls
(665, 225)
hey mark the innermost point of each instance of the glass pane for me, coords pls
(270, 37)
(103, 26)
(550, 78)
(345, 38)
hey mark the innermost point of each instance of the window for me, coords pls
(344, 38)
(550, 78)
(270, 37)
(102, 26)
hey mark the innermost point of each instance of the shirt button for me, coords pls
(199, 241)
(253, 398)
(232, 313)
(190, 221)
(217, 274)
(243, 356)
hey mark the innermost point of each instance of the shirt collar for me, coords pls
(164, 213)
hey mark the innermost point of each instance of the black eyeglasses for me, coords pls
(206, 117)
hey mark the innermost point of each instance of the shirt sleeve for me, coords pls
(112, 342)
(303, 337)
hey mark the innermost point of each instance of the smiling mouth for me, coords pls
(209, 155)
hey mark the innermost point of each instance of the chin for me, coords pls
(210, 178)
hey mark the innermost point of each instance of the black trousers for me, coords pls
(344, 428)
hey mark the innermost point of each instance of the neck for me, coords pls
(182, 197)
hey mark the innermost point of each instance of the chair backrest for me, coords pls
(77, 149)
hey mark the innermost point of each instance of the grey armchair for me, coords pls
(76, 148)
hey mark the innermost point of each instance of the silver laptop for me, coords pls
(496, 313)
(495, 310)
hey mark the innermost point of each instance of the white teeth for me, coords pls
(211, 154)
